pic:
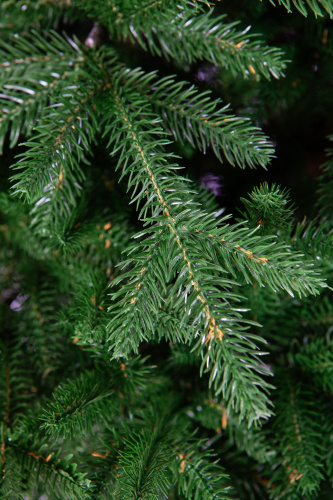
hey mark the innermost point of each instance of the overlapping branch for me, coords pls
(195, 117)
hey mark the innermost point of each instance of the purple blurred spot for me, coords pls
(207, 74)
(16, 304)
(212, 182)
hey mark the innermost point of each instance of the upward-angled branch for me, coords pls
(152, 168)
(203, 302)
(195, 117)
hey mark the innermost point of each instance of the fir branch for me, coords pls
(16, 227)
(138, 298)
(253, 441)
(57, 145)
(61, 479)
(149, 167)
(316, 358)
(16, 393)
(195, 284)
(142, 466)
(23, 15)
(235, 371)
(317, 6)
(215, 42)
(34, 71)
(76, 405)
(194, 276)
(85, 318)
(171, 31)
(39, 332)
(269, 207)
(298, 437)
(12, 482)
(5, 403)
(207, 37)
(119, 13)
(325, 187)
(19, 382)
(194, 117)
(315, 239)
(123, 429)
(316, 315)
(21, 54)
(197, 476)
(261, 258)
(64, 139)
(279, 267)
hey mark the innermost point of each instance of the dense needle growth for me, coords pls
(154, 346)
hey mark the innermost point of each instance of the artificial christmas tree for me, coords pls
(151, 345)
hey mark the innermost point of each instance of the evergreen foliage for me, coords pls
(318, 7)
(151, 346)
